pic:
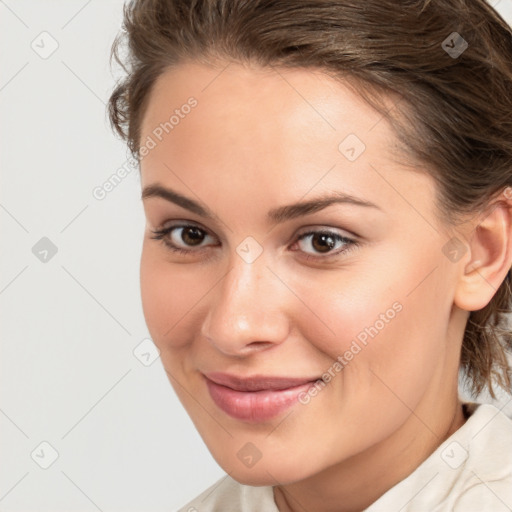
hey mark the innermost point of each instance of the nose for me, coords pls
(247, 312)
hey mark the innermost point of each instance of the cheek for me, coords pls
(347, 308)
(389, 323)
(171, 297)
(406, 353)
(160, 294)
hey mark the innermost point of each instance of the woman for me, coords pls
(328, 189)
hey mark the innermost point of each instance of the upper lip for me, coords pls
(257, 382)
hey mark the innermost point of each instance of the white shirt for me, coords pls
(470, 471)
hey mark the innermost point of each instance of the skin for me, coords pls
(263, 138)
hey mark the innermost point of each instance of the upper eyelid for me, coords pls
(185, 224)
(304, 230)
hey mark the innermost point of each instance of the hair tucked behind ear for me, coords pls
(486, 341)
(454, 111)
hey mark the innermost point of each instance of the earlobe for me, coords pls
(490, 250)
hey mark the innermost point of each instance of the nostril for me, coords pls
(256, 347)
(260, 344)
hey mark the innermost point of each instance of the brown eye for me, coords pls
(182, 238)
(324, 244)
(192, 236)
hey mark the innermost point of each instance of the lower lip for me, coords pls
(255, 406)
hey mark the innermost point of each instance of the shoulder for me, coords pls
(488, 441)
(228, 495)
(469, 471)
(495, 495)
(478, 458)
(487, 462)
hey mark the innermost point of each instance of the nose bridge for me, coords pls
(244, 289)
(247, 307)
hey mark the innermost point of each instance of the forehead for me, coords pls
(254, 128)
(284, 101)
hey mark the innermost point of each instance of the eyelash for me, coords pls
(350, 244)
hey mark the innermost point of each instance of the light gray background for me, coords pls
(70, 325)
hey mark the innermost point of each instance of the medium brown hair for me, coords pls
(454, 112)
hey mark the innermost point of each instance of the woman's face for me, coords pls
(347, 304)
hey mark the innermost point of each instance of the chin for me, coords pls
(265, 472)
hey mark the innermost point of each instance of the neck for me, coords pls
(356, 483)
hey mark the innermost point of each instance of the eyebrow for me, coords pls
(276, 215)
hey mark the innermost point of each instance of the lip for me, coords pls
(257, 398)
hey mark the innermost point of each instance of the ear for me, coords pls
(490, 255)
